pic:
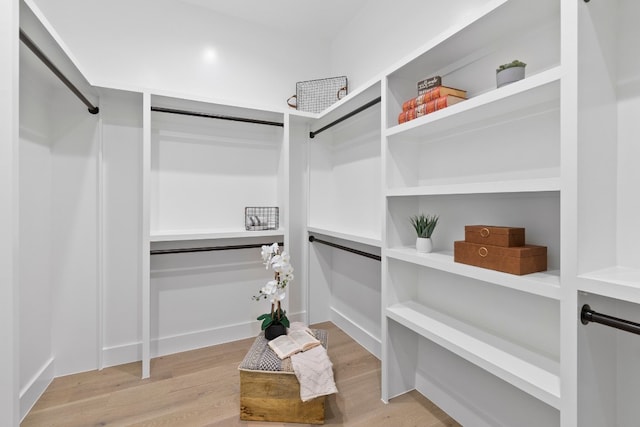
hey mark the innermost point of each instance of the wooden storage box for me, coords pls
(494, 235)
(515, 260)
(274, 396)
(269, 389)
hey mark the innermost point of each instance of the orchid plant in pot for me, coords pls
(275, 323)
(424, 226)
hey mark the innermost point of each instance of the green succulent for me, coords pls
(514, 63)
(424, 224)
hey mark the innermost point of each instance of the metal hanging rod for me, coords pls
(344, 248)
(312, 134)
(209, 248)
(587, 315)
(36, 50)
(216, 116)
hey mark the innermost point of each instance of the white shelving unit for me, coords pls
(529, 371)
(494, 158)
(607, 269)
(205, 171)
(344, 169)
(344, 177)
(206, 163)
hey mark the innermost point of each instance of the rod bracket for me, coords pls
(586, 313)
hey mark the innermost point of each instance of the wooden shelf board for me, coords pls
(532, 373)
(531, 185)
(357, 238)
(176, 235)
(616, 282)
(545, 284)
(538, 89)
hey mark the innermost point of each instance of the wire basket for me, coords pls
(261, 218)
(314, 96)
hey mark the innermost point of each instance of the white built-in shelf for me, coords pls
(542, 89)
(475, 32)
(202, 104)
(357, 238)
(178, 235)
(616, 282)
(483, 185)
(545, 284)
(363, 94)
(531, 372)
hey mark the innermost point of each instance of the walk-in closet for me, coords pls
(141, 179)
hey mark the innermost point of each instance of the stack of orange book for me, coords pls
(434, 99)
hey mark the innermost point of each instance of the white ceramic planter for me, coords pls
(424, 245)
(509, 75)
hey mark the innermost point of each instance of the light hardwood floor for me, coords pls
(201, 388)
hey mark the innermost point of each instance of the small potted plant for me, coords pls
(424, 226)
(275, 323)
(509, 73)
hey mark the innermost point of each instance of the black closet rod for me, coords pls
(216, 116)
(36, 50)
(312, 134)
(344, 248)
(209, 248)
(587, 315)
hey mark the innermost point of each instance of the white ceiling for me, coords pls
(321, 18)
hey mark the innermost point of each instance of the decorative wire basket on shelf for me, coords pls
(314, 96)
(261, 218)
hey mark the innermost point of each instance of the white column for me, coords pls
(9, 124)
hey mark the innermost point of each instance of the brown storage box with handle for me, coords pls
(494, 235)
(516, 260)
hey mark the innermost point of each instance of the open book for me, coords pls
(294, 342)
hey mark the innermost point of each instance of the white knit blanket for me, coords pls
(314, 371)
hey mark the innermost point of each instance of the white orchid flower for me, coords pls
(280, 263)
(274, 290)
(278, 296)
(270, 288)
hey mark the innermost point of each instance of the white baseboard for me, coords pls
(452, 405)
(121, 354)
(127, 353)
(360, 335)
(32, 391)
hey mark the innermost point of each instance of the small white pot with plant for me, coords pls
(509, 73)
(424, 226)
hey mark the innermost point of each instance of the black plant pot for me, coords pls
(274, 330)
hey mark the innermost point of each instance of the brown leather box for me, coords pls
(515, 260)
(494, 235)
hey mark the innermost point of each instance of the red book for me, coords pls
(432, 94)
(428, 107)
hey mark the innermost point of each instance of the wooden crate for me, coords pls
(275, 396)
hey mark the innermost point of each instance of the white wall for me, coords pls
(36, 354)
(386, 31)
(74, 217)
(9, 366)
(161, 45)
(121, 115)
(126, 44)
(628, 93)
